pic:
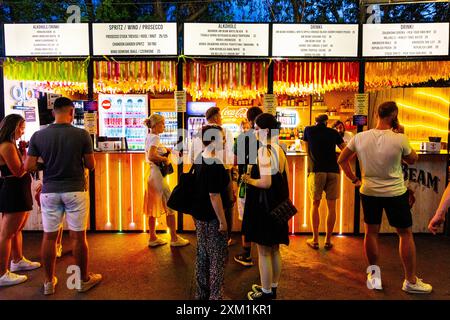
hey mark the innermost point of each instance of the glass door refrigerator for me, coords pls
(195, 118)
(122, 115)
(166, 108)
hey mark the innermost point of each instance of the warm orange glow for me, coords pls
(293, 194)
(424, 126)
(424, 111)
(439, 98)
(108, 210)
(341, 203)
(305, 193)
(132, 224)
(144, 216)
(120, 196)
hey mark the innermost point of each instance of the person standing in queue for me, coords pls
(340, 128)
(66, 151)
(15, 201)
(157, 191)
(323, 176)
(211, 200)
(245, 151)
(380, 152)
(268, 178)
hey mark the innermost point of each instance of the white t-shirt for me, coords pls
(152, 140)
(380, 154)
(347, 136)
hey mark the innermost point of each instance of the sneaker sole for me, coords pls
(13, 284)
(245, 264)
(417, 292)
(24, 269)
(90, 287)
(179, 245)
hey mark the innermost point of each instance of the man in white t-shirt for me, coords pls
(380, 152)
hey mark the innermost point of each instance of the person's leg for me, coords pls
(315, 220)
(202, 262)
(152, 228)
(59, 238)
(17, 241)
(48, 252)
(80, 252)
(276, 265)
(407, 250)
(265, 267)
(371, 243)
(171, 223)
(331, 219)
(217, 253)
(10, 224)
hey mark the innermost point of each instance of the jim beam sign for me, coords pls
(426, 180)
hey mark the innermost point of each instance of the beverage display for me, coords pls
(78, 120)
(122, 116)
(169, 137)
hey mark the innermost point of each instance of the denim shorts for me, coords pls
(55, 205)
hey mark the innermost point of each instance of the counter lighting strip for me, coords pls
(144, 217)
(305, 193)
(120, 196)
(108, 209)
(445, 101)
(426, 112)
(132, 224)
(420, 125)
(341, 202)
(293, 194)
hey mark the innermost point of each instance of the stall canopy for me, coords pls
(65, 77)
(134, 76)
(304, 78)
(223, 80)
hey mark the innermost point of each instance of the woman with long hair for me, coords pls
(157, 191)
(268, 180)
(15, 201)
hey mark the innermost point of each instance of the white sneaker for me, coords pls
(49, 287)
(418, 287)
(157, 242)
(374, 283)
(58, 251)
(10, 279)
(94, 279)
(181, 242)
(24, 265)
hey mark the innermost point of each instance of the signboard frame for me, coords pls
(138, 54)
(402, 57)
(88, 26)
(240, 57)
(355, 25)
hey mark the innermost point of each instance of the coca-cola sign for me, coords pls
(234, 113)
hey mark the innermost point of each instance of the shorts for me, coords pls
(55, 205)
(397, 210)
(318, 182)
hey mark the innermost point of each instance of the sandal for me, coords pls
(328, 245)
(312, 244)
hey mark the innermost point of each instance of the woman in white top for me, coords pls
(157, 191)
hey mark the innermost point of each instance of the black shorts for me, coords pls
(397, 210)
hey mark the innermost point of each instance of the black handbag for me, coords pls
(282, 213)
(181, 199)
(165, 169)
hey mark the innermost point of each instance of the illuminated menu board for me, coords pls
(50, 39)
(135, 38)
(226, 39)
(405, 39)
(315, 40)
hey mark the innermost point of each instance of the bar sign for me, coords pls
(180, 101)
(362, 104)
(270, 103)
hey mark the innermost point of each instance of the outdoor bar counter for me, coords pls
(119, 190)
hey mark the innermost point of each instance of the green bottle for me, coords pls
(242, 189)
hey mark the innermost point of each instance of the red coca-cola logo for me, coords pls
(106, 104)
(234, 113)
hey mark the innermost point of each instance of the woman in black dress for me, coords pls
(15, 201)
(267, 187)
